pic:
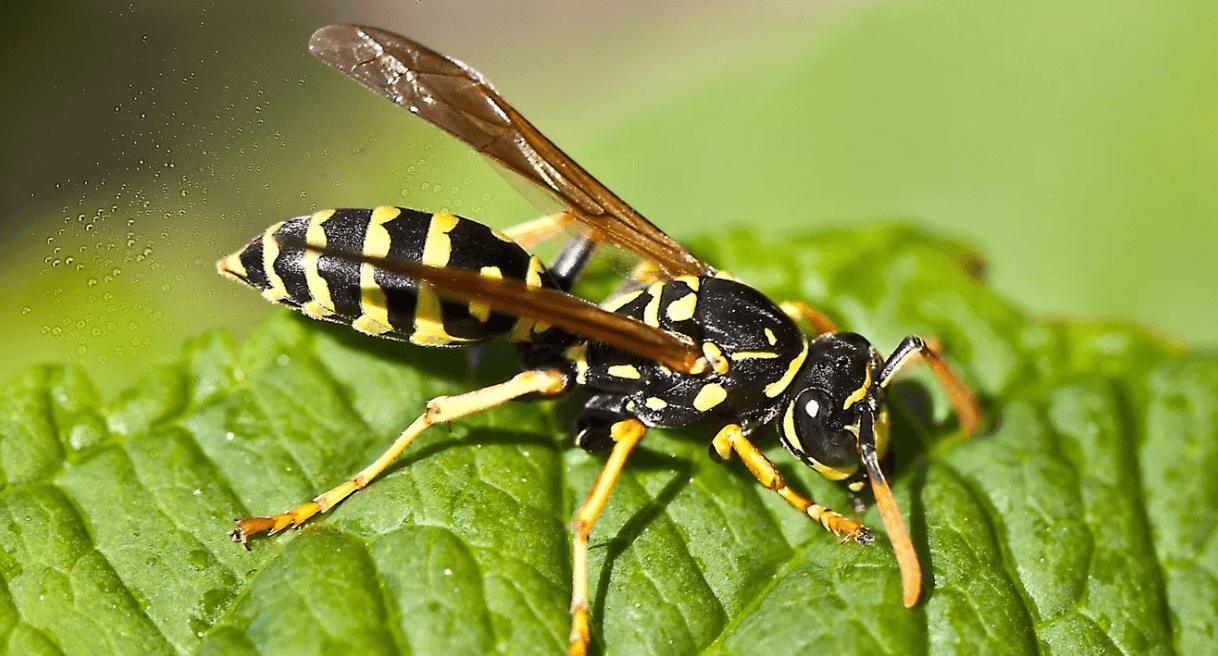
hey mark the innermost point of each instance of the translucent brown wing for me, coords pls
(570, 313)
(456, 98)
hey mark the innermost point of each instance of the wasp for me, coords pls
(679, 343)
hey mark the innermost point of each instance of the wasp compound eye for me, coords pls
(816, 434)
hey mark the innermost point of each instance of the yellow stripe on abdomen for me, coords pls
(482, 311)
(374, 311)
(428, 314)
(321, 305)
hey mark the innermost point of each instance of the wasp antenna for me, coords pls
(890, 514)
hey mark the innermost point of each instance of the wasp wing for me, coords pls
(570, 313)
(458, 100)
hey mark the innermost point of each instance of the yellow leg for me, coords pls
(531, 233)
(626, 434)
(816, 320)
(439, 410)
(731, 438)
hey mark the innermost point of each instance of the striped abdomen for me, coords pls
(379, 302)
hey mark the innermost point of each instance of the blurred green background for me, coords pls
(1074, 143)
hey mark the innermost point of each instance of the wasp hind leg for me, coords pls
(440, 410)
(625, 434)
(731, 438)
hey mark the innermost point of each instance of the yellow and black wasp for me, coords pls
(679, 343)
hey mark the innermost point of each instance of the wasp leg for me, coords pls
(816, 320)
(731, 438)
(439, 410)
(531, 233)
(909, 351)
(571, 261)
(625, 434)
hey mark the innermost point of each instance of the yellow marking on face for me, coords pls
(770, 337)
(832, 473)
(482, 311)
(714, 355)
(651, 313)
(788, 425)
(624, 371)
(724, 275)
(656, 403)
(753, 355)
(709, 396)
(779, 386)
(682, 309)
(322, 305)
(858, 394)
(232, 267)
(277, 291)
(438, 249)
(700, 366)
(618, 302)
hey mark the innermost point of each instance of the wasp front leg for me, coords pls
(731, 438)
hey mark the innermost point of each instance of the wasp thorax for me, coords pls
(837, 385)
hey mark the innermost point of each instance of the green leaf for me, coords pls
(1083, 522)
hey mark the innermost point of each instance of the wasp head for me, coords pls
(837, 410)
(837, 421)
